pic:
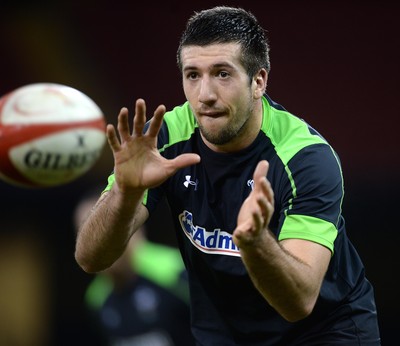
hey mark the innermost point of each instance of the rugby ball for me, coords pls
(50, 135)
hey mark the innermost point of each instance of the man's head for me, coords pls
(228, 25)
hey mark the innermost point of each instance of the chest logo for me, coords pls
(215, 242)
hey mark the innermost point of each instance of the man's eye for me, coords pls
(223, 74)
(192, 75)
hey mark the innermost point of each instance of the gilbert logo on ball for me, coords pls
(50, 134)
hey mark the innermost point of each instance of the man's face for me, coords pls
(219, 92)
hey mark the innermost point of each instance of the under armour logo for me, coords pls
(190, 182)
(250, 183)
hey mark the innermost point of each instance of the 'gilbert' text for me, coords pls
(36, 159)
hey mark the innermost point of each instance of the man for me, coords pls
(142, 299)
(255, 194)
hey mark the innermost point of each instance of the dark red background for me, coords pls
(335, 64)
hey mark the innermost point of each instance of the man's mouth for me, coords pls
(211, 114)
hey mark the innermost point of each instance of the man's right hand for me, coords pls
(138, 164)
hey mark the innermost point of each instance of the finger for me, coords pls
(244, 228)
(156, 121)
(112, 138)
(266, 209)
(140, 117)
(248, 231)
(260, 172)
(123, 126)
(258, 222)
(266, 189)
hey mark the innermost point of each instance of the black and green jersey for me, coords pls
(205, 199)
(150, 309)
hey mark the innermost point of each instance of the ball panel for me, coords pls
(13, 134)
(45, 102)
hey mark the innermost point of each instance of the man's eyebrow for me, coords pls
(213, 66)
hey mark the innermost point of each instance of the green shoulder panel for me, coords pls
(309, 228)
(181, 124)
(288, 133)
(162, 265)
(98, 290)
(159, 263)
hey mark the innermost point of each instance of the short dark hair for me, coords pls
(224, 24)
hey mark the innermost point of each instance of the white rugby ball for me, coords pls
(50, 134)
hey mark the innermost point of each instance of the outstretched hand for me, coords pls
(257, 209)
(138, 164)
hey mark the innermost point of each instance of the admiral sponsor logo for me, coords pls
(212, 242)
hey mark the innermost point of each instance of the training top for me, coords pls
(306, 177)
(150, 309)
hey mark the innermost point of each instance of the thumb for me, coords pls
(184, 160)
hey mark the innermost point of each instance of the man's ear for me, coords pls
(260, 80)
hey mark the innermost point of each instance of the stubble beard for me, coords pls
(229, 132)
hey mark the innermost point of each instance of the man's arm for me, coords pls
(138, 166)
(104, 235)
(288, 274)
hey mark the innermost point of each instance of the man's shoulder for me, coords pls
(178, 126)
(288, 133)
